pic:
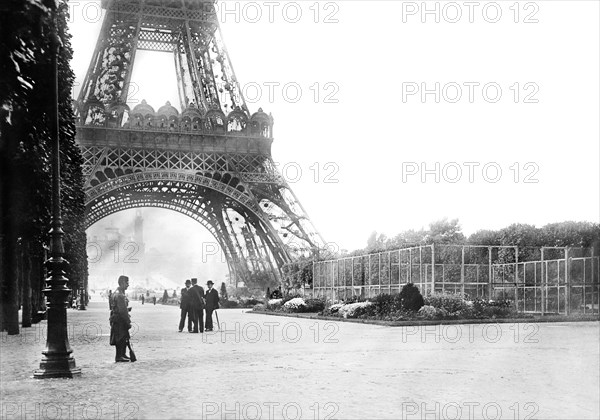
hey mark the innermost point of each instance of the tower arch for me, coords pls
(210, 159)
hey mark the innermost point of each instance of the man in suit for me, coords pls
(197, 302)
(212, 303)
(186, 307)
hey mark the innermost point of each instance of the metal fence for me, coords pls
(538, 280)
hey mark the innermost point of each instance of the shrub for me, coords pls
(385, 304)
(333, 309)
(295, 305)
(169, 301)
(492, 308)
(315, 305)
(274, 304)
(453, 303)
(411, 297)
(355, 310)
(249, 303)
(289, 297)
(427, 312)
(228, 304)
(354, 299)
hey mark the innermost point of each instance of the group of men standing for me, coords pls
(194, 302)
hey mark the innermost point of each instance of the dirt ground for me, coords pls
(266, 367)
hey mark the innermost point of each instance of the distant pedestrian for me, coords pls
(197, 304)
(154, 299)
(120, 320)
(142, 299)
(185, 306)
(212, 303)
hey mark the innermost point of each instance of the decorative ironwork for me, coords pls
(211, 161)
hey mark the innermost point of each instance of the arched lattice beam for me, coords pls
(194, 195)
(231, 256)
(140, 178)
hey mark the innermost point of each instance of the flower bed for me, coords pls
(241, 303)
(293, 304)
(406, 305)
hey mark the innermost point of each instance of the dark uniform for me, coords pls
(186, 309)
(120, 323)
(197, 299)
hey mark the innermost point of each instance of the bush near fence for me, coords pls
(438, 305)
(544, 280)
(293, 304)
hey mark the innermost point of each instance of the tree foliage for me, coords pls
(223, 292)
(260, 281)
(26, 93)
(298, 272)
(449, 232)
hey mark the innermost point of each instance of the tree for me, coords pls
(407, 238)
(484, 237)
(575, 234)
(444, 231)
(224, 291)
(260, 280)
(165, 297)
(25, 180)
(411, 297)
(298, 273)
(376, 242)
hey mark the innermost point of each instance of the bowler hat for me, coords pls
(188, 282)
(209, 282)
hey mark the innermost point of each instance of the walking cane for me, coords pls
(218, 323)
(131, 353)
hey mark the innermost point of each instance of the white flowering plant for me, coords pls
(295, 305)
(274, 304)
(427, 312)
(354, 310)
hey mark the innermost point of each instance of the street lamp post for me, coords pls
(57, 361)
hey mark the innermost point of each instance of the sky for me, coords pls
(390, 115)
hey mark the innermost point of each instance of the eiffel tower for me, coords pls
(211, 161)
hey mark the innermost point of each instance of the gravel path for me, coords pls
(266, 367)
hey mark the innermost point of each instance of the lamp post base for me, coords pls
(61, 365)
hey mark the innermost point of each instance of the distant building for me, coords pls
(114, 254)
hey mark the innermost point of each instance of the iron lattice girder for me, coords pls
(119, 202)
(245, 168)
(165, 179)
(207, 160)
(171, 12)
(139, 148)
(182, 27)
(204, 204)
(251, 173)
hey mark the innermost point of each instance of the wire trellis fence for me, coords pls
(546, 280)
